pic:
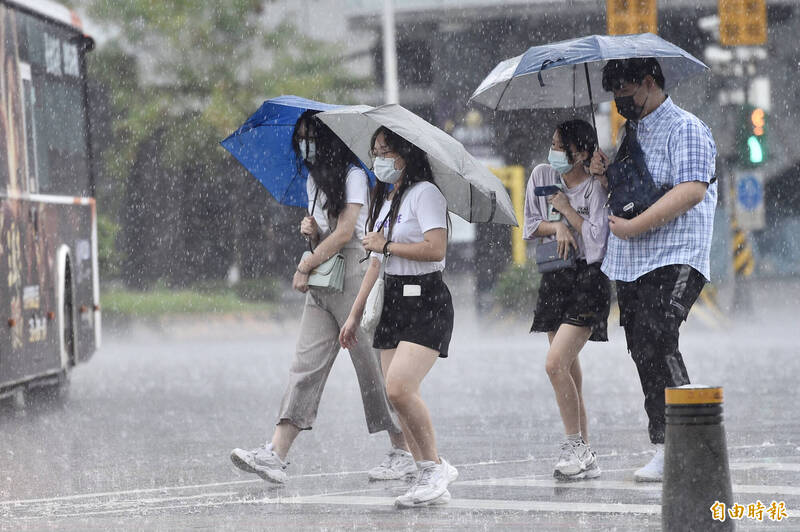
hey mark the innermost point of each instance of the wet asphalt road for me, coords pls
(142, 442)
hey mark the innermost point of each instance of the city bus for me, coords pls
(49, 287)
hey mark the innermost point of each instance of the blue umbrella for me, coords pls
(562, 74)
(263, 144)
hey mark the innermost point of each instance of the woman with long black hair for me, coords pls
(408, 219)
(338, 195)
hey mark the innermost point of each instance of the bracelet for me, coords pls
(386, 251)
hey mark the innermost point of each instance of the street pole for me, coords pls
(389, 54)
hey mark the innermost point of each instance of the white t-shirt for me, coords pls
(422, 208)
(356, 191)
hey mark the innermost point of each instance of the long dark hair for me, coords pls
(329, 170)
(417, 169)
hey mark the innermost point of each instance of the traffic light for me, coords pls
(753, 137)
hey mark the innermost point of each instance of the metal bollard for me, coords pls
(696, 474)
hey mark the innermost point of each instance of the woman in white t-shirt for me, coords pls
(408, 218)
(338, 200)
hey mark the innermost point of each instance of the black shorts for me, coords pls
(426, 319)
(577, 296)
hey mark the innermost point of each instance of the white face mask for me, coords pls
(385, 171)
(308, 150)
(558, 160)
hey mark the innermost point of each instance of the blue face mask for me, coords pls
(558, 160)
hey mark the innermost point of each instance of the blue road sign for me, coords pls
(749, 192)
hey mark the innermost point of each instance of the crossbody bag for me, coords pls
(329, 274)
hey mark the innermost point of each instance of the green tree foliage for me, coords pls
(174, 78)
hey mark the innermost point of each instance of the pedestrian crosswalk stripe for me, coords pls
(617, 485)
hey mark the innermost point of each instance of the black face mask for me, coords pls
(628, 108)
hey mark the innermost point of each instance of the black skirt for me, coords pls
(577, 296)
(425, 319)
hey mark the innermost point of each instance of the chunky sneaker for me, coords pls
(592, 470)
(432, 482)
(262, 461)
(395, 465)
(577, 461)
(654, 470)
(452, 472)
(407, 500)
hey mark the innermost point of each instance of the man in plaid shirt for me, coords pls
(660, 258)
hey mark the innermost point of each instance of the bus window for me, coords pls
(28, 102)
(56, 100)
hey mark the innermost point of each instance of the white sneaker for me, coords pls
(407, 500)
(452, 472)
(654, 470)
(592, 470)
(262, 461)
(395, 465)
(433, 481)
(573, 458)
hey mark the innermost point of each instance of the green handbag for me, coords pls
(329, 274)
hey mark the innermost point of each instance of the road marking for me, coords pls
(615, 485)
(768, 466)
(483, 504)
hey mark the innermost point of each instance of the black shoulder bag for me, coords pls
(631, 186)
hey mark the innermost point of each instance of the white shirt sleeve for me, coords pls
(357, 187)
(431, 209)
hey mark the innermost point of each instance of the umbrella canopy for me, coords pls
(472, 190)
(562, 74)
(263, 144)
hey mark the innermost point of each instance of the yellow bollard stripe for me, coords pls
(693, 396)
(742, 259)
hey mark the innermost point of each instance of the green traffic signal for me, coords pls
(754, 149)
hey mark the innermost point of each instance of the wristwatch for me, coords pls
(386, 251)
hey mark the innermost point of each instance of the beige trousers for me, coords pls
(324, 314)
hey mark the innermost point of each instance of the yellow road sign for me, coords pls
(742, 22)
(631, 16)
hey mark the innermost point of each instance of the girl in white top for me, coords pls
(338, 194)
(409, 233)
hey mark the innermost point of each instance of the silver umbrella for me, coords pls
(471, 189)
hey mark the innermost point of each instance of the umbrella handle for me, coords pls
(545, 64)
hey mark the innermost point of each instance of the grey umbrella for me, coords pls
(471, 189)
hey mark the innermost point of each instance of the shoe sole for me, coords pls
(647, 479)
(444, 498)
(582, 475)
(244, 466)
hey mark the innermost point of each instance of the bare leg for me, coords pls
(406, 369)
(577, 377)
(565, 345)
(283, 438)
(398, 439)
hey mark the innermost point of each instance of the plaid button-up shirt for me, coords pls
(678, 147)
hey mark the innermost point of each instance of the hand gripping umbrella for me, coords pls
(471, 189)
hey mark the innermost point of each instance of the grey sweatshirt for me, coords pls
(588, 199)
